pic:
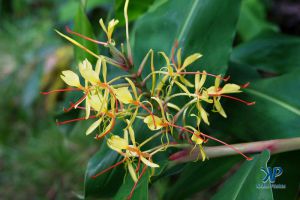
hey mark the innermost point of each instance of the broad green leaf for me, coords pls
(290, 177)
(253, 19)
(200, 26)
(243, 184)
(107, 184)
(199, 175)
(275, 115)
(83, 26)
(66, 10)
(141, 190)
(269, 52)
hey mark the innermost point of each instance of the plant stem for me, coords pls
(274, 146)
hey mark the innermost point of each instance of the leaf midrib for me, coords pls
(275, 100)
(188, 20)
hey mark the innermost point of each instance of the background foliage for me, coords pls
(252, 40)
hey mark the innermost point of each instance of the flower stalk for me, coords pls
(274, 146)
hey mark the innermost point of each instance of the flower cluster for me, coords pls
(127, 98)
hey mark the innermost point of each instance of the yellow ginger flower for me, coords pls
(217, 92)
(155, 124)
(110, 28)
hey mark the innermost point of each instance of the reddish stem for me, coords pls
(60, 90)
(107, 169)
(84, 37)
(139, 165)
(74, 105)
(193, 73)
(75, 120)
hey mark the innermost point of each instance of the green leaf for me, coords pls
(141, 190)
(253, 19)
(275, 115)
(204, 26)
(275, 53)
(290, 177)
(243, 184)
(199, 175)
(107, 184)
(83, 26)
(135, 9)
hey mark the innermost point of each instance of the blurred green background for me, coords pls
(39, 160)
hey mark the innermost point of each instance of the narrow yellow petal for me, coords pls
(230, 88)
(148, 163)
(179, 58)
(219, 107)
(185, 81)
(123, 94)
(117, 143)
(183, 87)
(102, 25)
(70, 78)
(93, 126)
(189, 60)
(132, 172)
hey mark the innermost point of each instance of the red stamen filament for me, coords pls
(60, 90)
(237, 99)
(84, 37)
(245, 85)
(111, 167)
(135, 184)
(213, 138)
(139, 165)
(75, 120)
(190, 73)
(74, 105)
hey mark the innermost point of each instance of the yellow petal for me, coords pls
(148, 163)
(111, 27)
(185, 81)
(123, 94)
(170, 69)
(117, 143)
(70, 78)
(183, 87)
(189, 60)
(179, 58)
(87, 109)
(219, 107)
(211, 90)
(202, 80)
(230, 88)
(133, 87)
(132, 172)
(93, 126)
(149, 121)
(197, 140)
(98, 66)
(203, 154)
(102, 25)
(203, 113)
(98, 102)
